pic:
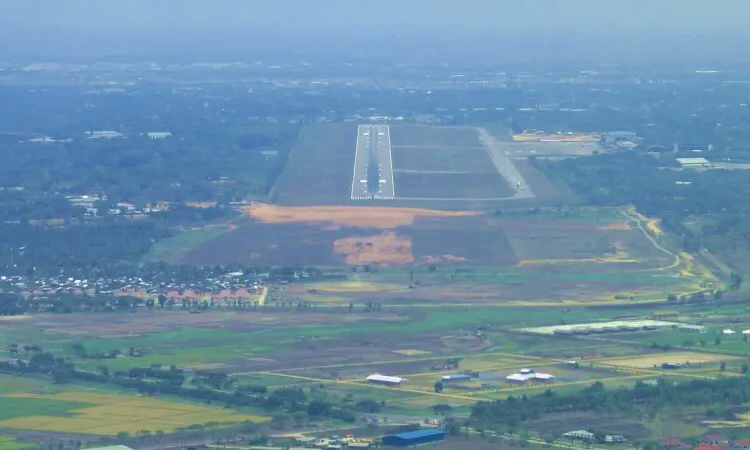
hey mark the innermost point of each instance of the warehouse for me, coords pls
(385, 380)
(517, 378)
(414, 437)
(456, 378)
(692, 163)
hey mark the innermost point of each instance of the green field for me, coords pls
(14, 407)
(10, 443)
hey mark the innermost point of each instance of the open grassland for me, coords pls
(320, 165)
(107, 414)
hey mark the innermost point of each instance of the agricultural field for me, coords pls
(327, 353)
(11, 443)
(84, 412)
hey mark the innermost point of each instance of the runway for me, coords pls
(373, 147)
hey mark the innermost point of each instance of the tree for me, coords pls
(439, 386)
(123, 435)
(722, 366)
(300, 418)
(442, 409)
(549, 439)
(280, 420)
(744, 368)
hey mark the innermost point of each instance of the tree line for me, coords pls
(510, 414)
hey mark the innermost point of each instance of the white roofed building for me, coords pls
(384, 379)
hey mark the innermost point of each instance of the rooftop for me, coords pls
(420, 433)
(692, 161)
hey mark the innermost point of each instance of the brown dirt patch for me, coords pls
(356, 216)
(387, 248)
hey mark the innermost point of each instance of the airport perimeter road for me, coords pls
(382, 152)
(363, 150)
(373, 147)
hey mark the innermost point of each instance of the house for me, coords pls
(414, 437)
(709, 447)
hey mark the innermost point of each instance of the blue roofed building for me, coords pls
(414, 437)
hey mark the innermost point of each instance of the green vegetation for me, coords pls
(11, 443)
(170, 249)
(705, 208)
(13, 407)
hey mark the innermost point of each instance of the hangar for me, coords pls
(414, 437)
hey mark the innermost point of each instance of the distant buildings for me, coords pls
(623, 139)
(102, 134)
(692, 328)
(692, 148)
(158, 134)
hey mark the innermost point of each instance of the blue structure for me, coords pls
(414, 437)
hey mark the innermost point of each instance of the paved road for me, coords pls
(373, 147)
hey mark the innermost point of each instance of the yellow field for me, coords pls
(649, 361)
(116, 413)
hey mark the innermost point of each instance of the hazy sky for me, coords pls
(133, 26)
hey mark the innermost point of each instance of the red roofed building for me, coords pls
(675, 444)
(740, 444)
(709, 447)
(712, 439)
